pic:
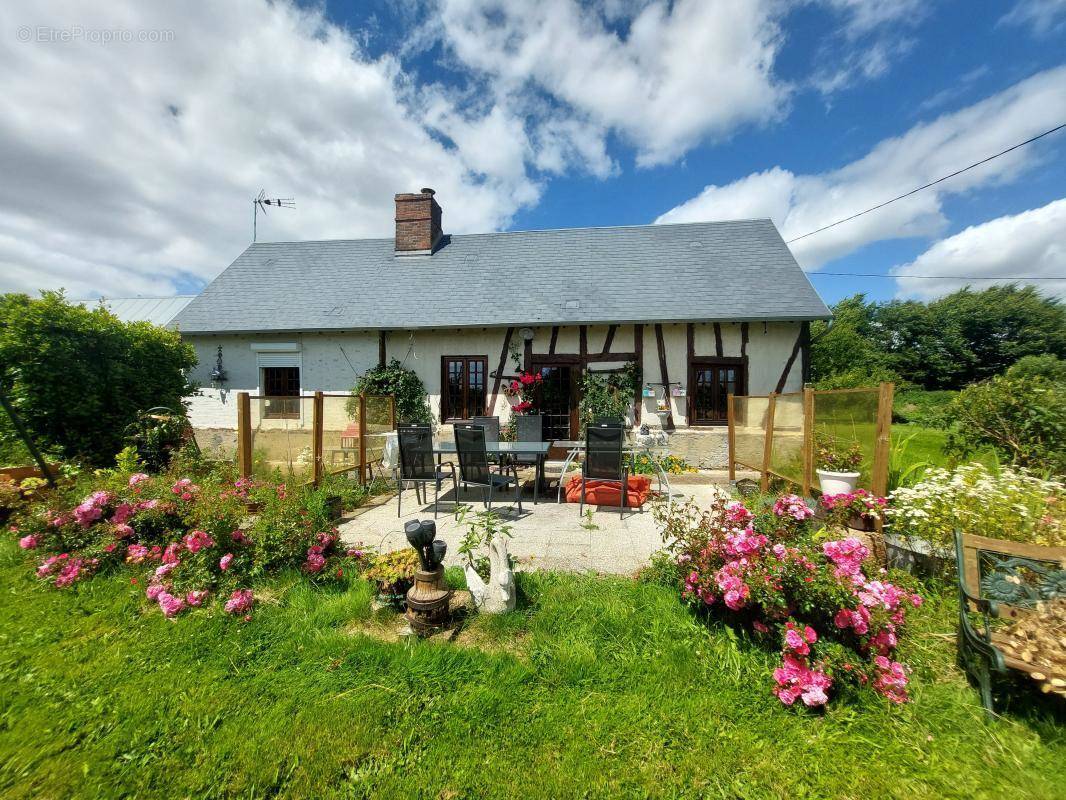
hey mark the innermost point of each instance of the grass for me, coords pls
(596, 687)
(916, 444)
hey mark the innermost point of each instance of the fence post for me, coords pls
(244, 434)
(362, 440)
(731, 437)
(768, 441)
(808, 440)
(317, 407)
(392, 412)
(883, 443)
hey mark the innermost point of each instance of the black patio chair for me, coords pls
(491, 426)
(604, 460)
(529, 428)
(475, 469)
(419, 466)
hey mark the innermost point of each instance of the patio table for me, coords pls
(537, 450)
(652, 450)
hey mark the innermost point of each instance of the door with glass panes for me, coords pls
(710, 382)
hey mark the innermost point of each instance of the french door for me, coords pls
(557, 401)
(710, 382)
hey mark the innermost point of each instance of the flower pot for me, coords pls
(916, 556)
(837, 482)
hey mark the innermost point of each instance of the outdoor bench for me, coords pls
(1001, 579)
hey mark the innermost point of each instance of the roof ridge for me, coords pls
(643, 226)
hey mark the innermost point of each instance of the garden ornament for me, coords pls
(428, 600)
(498, 595)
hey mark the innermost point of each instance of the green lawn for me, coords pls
(596, 687)
(915, 444)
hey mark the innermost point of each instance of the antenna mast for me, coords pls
(261, 202)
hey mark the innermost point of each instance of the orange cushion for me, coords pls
(607, 493)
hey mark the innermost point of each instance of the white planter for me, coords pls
(837, 482)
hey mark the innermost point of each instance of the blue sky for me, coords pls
(523, 115)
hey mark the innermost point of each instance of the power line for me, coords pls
(1012, 279)
(926, 186)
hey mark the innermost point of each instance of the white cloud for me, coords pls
(678, 74)
(1041, 16)
(802, 203)
(1032, 243)
(131, 166)
(863, 16)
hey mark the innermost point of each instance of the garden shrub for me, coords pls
(608, 394)
(761, 567)
(1044, 366)
(183, 536)
(1023, 418)
(78, 377)
(411, 400)
(1005, 504)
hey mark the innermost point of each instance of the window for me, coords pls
(280, 384)
(710, 382)
(463, 382)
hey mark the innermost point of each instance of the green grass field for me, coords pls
(596, 687)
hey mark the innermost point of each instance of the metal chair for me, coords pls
(604, 460)
(475, 468)
(418, 465)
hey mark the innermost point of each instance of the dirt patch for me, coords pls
(387, 625)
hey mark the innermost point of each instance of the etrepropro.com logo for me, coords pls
(49, 34)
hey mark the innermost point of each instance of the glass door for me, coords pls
(710, 384)
(556, 401)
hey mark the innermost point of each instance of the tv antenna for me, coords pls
(261, 202)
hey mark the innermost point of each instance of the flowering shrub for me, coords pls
(1008, 504)
(834, 623)
(184, 536)
(840, 509)
(833, 455)
(523, 389)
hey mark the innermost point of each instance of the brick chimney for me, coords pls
(417, 223)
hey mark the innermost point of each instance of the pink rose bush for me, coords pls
(836, 621)
(186, 541)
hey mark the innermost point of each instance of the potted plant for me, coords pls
(859, 510)
(393, 574)
(838, 464)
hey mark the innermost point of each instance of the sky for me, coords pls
(134, 134)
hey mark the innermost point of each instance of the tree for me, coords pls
(963, 337)
(78, 377)
(1002, 324)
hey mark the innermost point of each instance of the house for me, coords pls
(704, 309)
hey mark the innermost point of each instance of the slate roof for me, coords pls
(157, 310)
(706, 271)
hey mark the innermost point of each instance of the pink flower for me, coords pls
(794, 640)
(169, 604)
(196, 598)
(315, 560)
(165, 569)
(30, 542)
(789, 505)
(170, 555)
(123, 531)
(195, 541)
(137, 477)
(737, 514)
(240, 601)
(153, 591)
(225, 561)
(136, 553)
(847, 554)
(239, 537)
